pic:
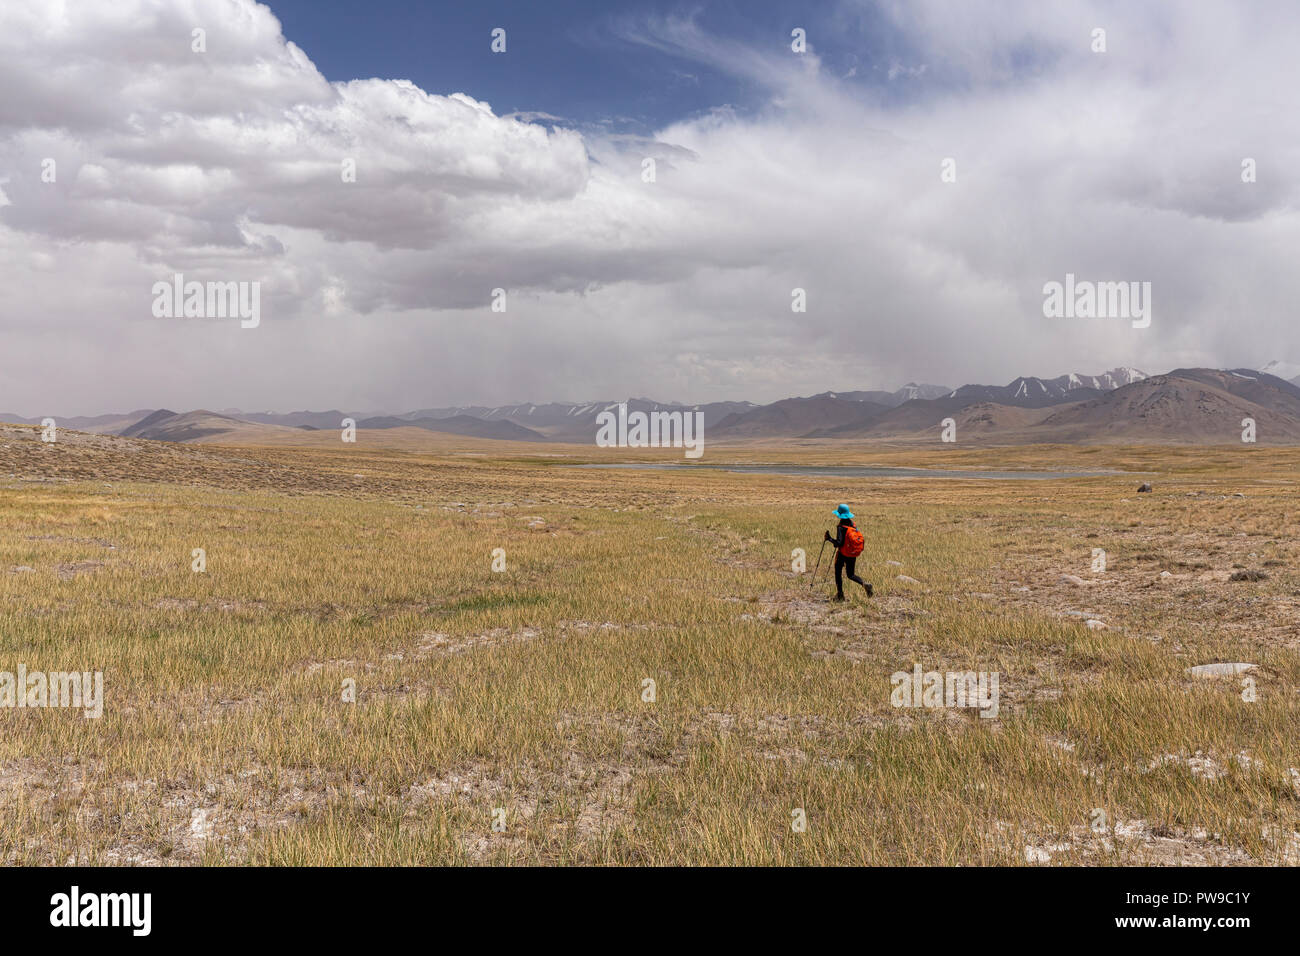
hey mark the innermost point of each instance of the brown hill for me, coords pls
(910, 418)
(200, 425)
(796, 417)
(1187, 405)
(990, 418)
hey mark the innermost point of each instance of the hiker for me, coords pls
(848, 543)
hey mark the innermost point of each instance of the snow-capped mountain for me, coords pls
(1106, 381)
(918, 390)
(890, 399)
(1035, 392)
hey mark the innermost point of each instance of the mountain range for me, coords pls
(1123, 404)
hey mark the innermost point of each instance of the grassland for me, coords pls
(225, 737)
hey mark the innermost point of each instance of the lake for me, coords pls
(864, 471)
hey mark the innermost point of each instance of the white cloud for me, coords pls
(226, 165)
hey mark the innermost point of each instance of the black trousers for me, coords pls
(845, 564)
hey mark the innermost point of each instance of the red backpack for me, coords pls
(853, 542)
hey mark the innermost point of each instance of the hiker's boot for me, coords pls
(838, 597)
(870, 590)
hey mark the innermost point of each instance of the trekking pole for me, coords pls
(819, 564)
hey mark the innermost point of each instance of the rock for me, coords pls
(894, 564)
(1075, 580)
(1144, 487)
(906, 580)
(1251, 575)
(1165, 575)
(1219, 670)
(1095, 625)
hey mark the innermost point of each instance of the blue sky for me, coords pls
(575, 59)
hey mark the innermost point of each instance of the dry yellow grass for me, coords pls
(225, 738)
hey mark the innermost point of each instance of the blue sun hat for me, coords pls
(843, 512)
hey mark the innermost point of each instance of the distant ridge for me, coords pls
(1031, 392)
(794, 416)
(502, 430)
(1186, 404)
(166, 425)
